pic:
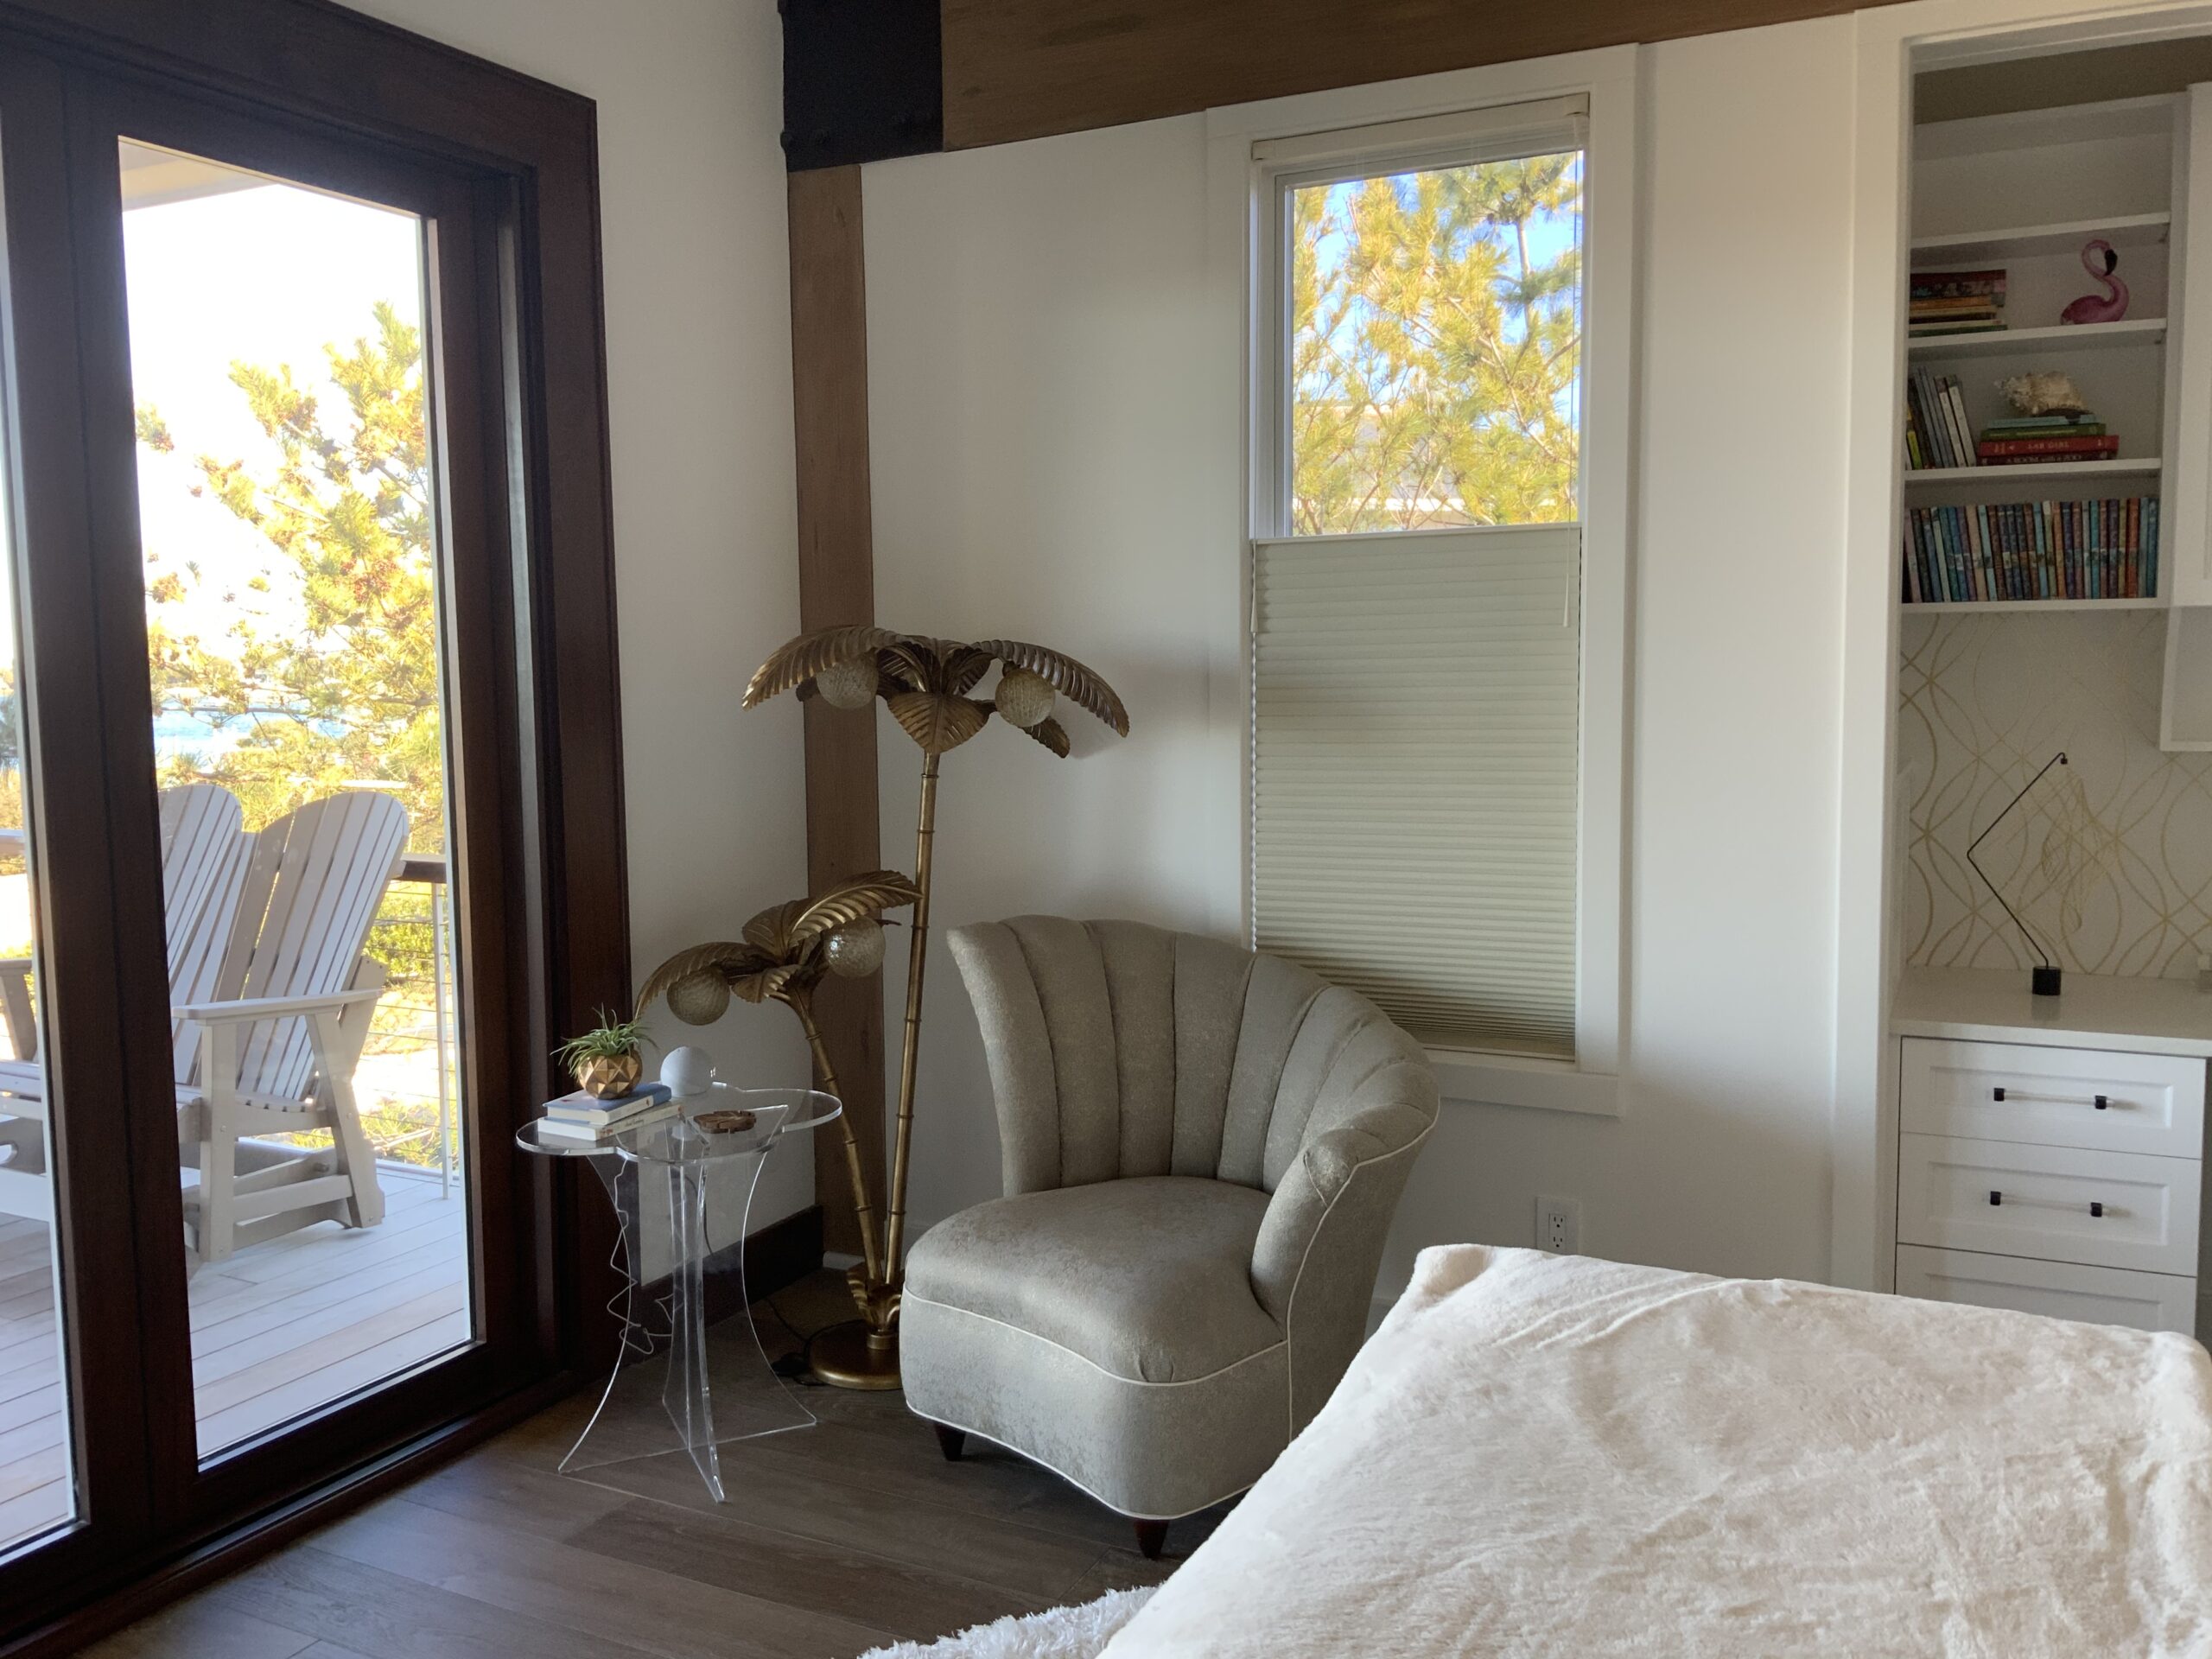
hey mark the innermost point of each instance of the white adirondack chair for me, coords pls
(204, 849)
(278, 1036)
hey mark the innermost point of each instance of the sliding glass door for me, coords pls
(289, 524)
(266, 832)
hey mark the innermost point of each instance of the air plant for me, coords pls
(925, 683)
(785, 951)
(604, 1060)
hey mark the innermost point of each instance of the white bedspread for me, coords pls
(1556, 1455)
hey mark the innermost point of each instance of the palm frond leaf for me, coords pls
(759, 987)
(963, 668)
(1053, 735)
(896, 669)
(770, 932)
(867, 895)
(936, 720)
(802, 658)
(1081, 685)
(726, 956)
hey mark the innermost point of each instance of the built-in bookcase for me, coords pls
(2024, 193)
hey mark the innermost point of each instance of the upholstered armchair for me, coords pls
(1203, 1147)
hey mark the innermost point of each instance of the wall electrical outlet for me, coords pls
(1559, 1225)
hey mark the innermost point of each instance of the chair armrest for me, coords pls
(1304, 1204)
(275, 1007)
(15, 1006)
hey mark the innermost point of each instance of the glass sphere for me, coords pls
(1024, 698)
(700, 999)
(849, 684)
(855, 949)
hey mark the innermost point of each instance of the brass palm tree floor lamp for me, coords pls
(925, 683)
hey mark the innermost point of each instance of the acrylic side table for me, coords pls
(659, 1179)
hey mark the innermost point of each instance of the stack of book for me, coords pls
(2026, 438)
(2032, 549)
(1936, 431)
(1957, 302)
(586, 1117)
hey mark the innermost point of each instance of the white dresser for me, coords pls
(2050, 1151)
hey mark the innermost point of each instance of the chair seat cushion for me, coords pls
(1149, 1279)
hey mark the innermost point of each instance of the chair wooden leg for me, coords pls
(1151, 1537)
(950, 1441)
(219, 1142)
(338, 1050)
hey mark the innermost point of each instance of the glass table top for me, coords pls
(678, 1138)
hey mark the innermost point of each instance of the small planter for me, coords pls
(609, 1076)
(605, 1060)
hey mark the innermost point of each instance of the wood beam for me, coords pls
(1023, 71)
(836, 585)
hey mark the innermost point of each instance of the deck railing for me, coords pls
(415, 1017)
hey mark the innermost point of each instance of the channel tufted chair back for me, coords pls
(1202, 1147)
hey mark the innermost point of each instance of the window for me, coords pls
(1422, 774)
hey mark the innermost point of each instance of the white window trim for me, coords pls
(1236, 198)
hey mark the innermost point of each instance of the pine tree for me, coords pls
(328, 671)
(1434, 355)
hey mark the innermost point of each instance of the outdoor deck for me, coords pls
(275, 1329)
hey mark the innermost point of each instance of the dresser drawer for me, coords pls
(2049, 1096)
(2057, 1204)
(2063, 1290)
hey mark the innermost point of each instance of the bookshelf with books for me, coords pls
(2037, 424)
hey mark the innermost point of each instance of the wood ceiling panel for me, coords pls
(1020, 69)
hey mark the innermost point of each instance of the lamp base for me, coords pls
(851, 1356)
(2043, 982)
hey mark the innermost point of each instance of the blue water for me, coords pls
(177, 733)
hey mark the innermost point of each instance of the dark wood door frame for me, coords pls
(506, 168)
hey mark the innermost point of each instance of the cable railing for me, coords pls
(410, 1061)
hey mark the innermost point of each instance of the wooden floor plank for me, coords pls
(326, 1597)
(278, 1329)
(202, 1628)
(799, 1571)
(397, 1351)
(834, 1538)
(35, 1509)
(1032, 1563)
(646, 1599)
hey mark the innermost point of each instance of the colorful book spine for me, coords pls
(2027, 550)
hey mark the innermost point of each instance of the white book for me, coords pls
(580, 1107)
(569, 1129)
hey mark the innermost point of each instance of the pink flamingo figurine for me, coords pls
(2098, 259)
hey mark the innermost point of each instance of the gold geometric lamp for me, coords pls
(925, 684)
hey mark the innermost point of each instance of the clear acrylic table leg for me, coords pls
(717, 1385)
(685, 1395)
(619, 1176)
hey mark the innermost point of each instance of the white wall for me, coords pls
(1057, 450)
(698, 370)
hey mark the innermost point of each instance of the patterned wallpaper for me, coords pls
(2110, 859)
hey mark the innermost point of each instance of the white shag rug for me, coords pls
(1056, 1633)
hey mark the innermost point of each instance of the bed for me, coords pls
(1541, 1454)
